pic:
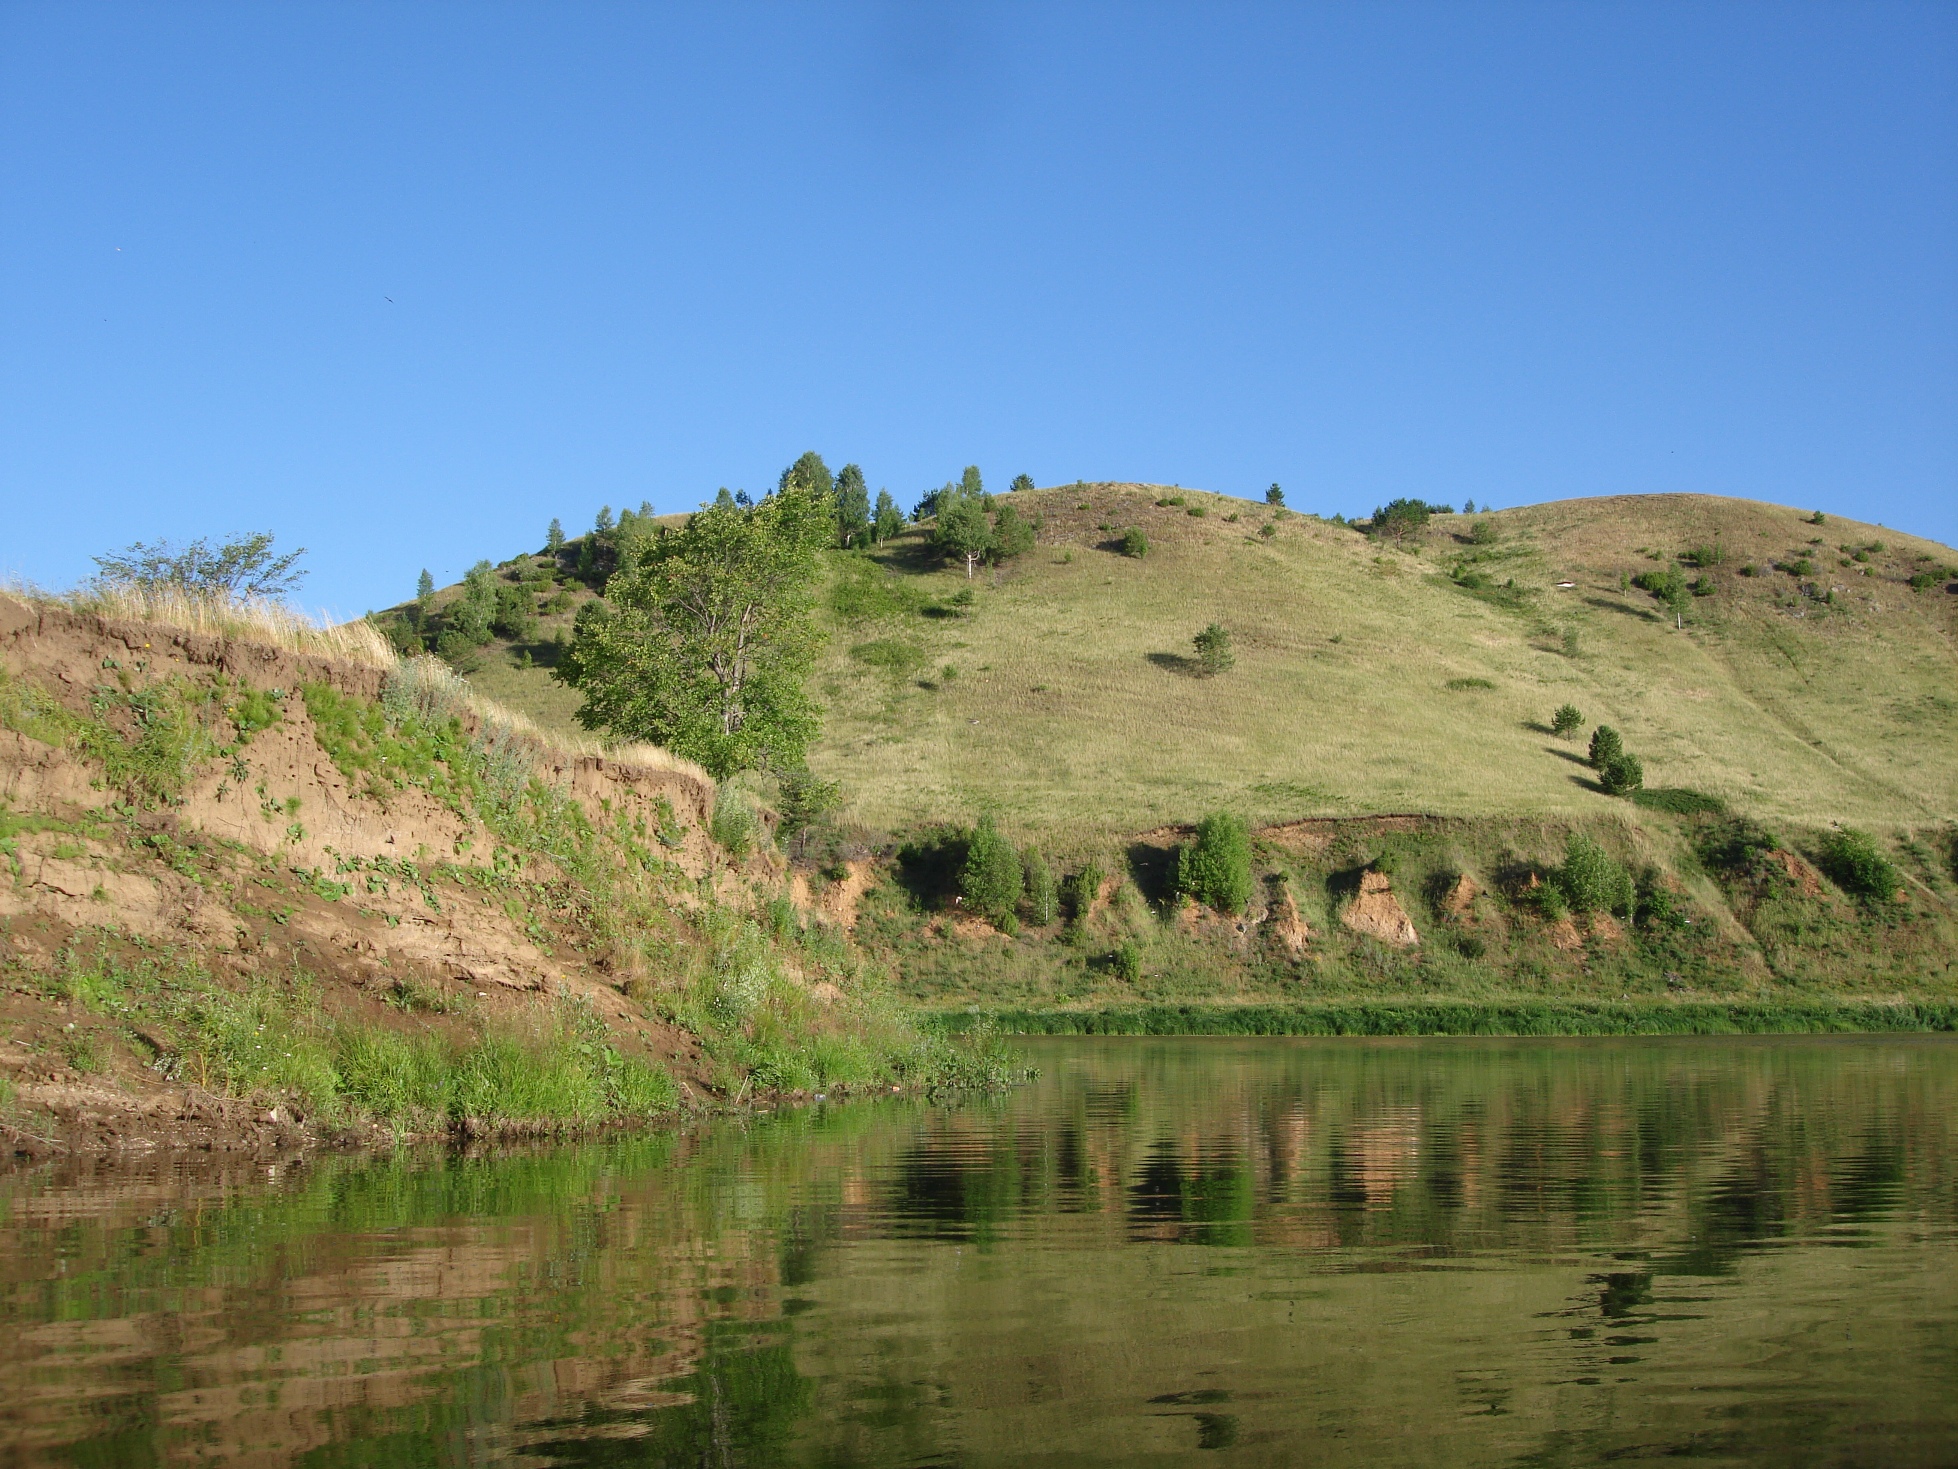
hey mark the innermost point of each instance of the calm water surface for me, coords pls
(1186, 1251)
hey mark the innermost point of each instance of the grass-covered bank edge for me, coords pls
(1524, 1018)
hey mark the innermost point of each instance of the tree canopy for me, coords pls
(244, 567)
(705, 639)
(852, 504)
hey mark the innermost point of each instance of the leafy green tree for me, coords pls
(425, 593)
(852, 505)
(1483, 532)
(709, 635)
(1567, 721)
(1214, 650)
(990, 880)
(1134, 542)
(1021, 484)
(1043, 893)
(554, 537)
(1274, 496)
(471, 614)
(603, 524)
(1605, 743)
(1592, 881)
(244, 567)
(1126, 961)
(889, 521)
(962, 531)
(1399, 519)
(1621, 774)
(811, 474)
(1012, 535)
(970, 483)
(515, 617)
(1215, 869)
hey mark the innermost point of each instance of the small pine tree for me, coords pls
(1214, 650)
(604, 522)
(1021, 484)
(1268, 530)
(1012, 535)
(1274, 496)
(425, 592)
(1566, 721)
(1468, 507)
(1604, 745)
(1082, 889)
(1621, 774)
(1043, 895)
(990, 881)
(1215, 869)
(554, 537)
(1126, 961)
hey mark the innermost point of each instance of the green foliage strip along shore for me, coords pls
(1494, 1018)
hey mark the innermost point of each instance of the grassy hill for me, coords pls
(1060, 691)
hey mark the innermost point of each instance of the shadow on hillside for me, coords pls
(1607, 605)
(1587, 784)
(1563, 754)
(928, 869)
(1154, 870)
(1176, 663)
(1537, 726)
(910, 556)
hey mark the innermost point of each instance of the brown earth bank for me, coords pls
(212, 846)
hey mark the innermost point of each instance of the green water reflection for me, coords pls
(1209, 1250)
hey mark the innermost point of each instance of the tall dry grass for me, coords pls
(425, 682)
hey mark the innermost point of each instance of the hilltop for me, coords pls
(1811, 681)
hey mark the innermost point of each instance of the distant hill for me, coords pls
(1815, 677)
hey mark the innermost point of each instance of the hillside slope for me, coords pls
(1371, 677)
(239, 866)
(1368, 678)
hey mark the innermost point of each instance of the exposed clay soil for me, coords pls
(238, 878)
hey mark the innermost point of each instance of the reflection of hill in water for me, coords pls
(1412, 1251)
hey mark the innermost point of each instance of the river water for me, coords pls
(1208, 1251)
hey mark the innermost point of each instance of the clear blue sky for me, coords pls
(401, 282)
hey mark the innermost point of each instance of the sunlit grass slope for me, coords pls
(1367, 679)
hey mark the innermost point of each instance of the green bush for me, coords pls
(1043, 895)
(1483, 532)
(1621, 775)
(1214, 653)
(1851, 858)
(990, 880)
(1567, 721)
(1126, 961)
(1604, 745)
(1134, 542)
(1081, 890)
(1215, 869)
(1591, 881)
(734, 824)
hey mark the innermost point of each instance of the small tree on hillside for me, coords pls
(809, 474)
(990, 880)
(963, 531)
(889, 520)
(1021, 484)
(554, 537)
(425, 593)
(1852, 859)
(1399, 519)
(1012, 535)
(1566, 721)
(1605, 743)
(1214, 650)
(1591, 881)
(852, 505)
(244, 567)
(1043, 894)
(1274, 496)
(1215, 868)
(971, 484)
(1621, 774)
(1134, 542)
(603, 524)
